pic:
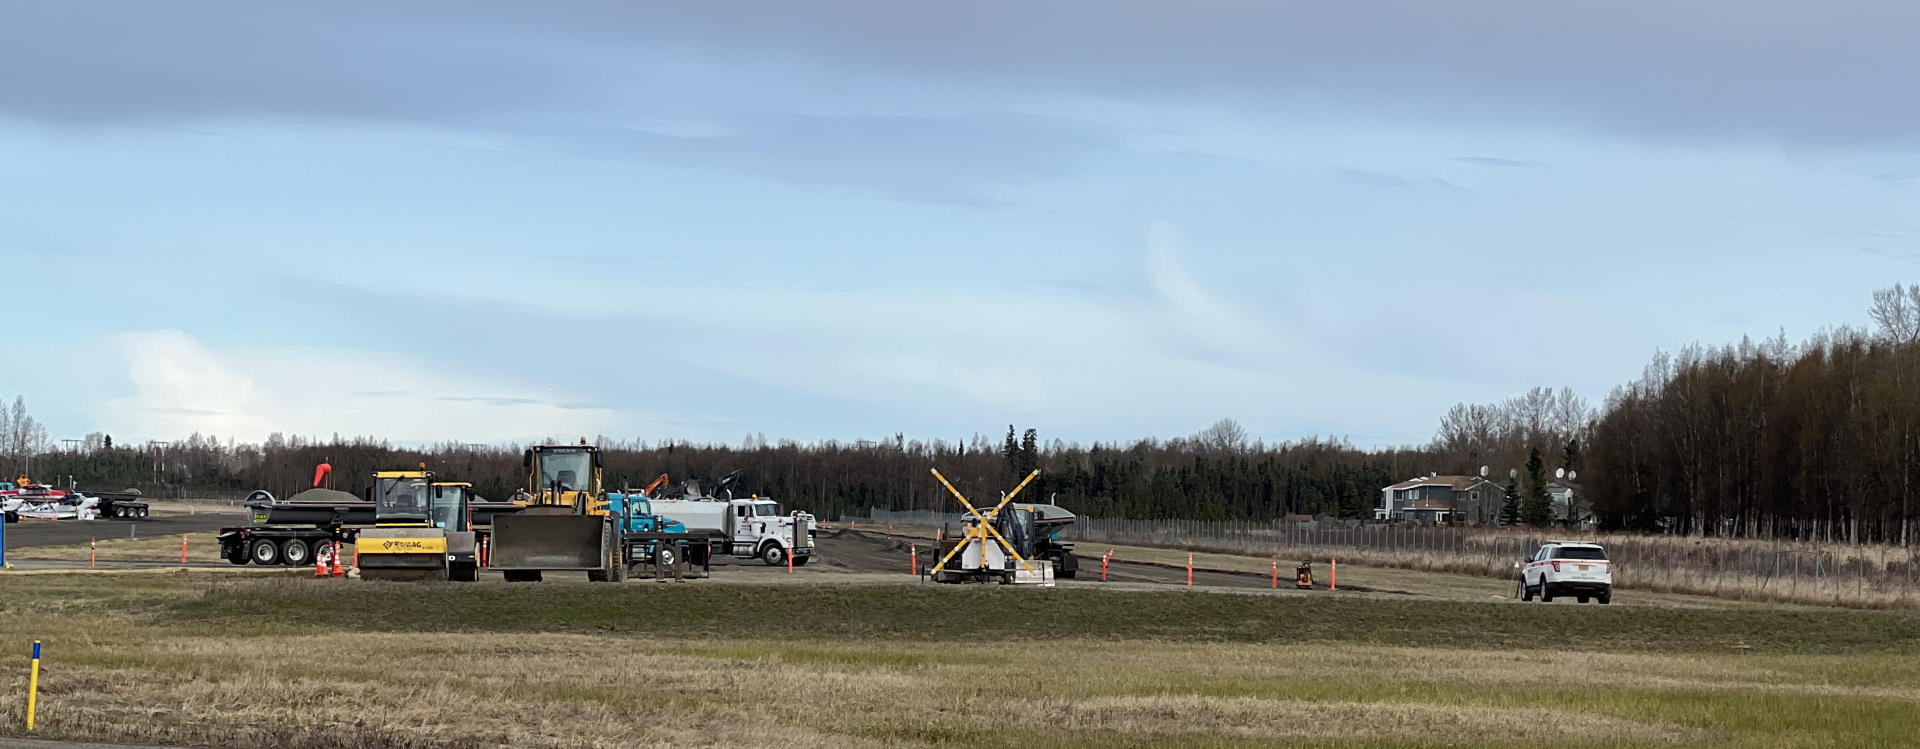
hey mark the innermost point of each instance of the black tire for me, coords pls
(665, 554)
(237, 554)
(773, 555)
(1582, 599)
(800, 561)
(143, 512)
(1526, 593)
(1605, 598)
(596, 576)
(463, 573)
(522, 576)
(264, 552)
(1546, 593)
(13, 517)
(295, 553)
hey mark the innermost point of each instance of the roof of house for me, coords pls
(1458, 483)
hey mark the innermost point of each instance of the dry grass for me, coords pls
(201, 547)
(1861, 576)
(116, 671)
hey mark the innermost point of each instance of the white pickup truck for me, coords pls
(755, 526)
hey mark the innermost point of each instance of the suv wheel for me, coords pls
(1583, 599)
(1546, 593)
(1606, 597)
(1526, 593)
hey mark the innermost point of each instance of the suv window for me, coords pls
(1580, 552)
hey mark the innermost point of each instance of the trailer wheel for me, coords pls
(295, 552)
(142, 512)
(463, 573)
(264, 552)
(773, 555)
(522, 576)
(236, 553)
(12, 517)
(800, 561)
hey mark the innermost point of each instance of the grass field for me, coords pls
(280, 660)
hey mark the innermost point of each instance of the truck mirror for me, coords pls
(439, 491)
(526, 460)
(599, 461)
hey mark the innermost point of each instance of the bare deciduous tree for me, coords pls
(1897, 311)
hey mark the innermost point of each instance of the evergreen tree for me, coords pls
(1510, 506)
(1011, 451)
(1570, 457)
(109, 442)
(1029, 453)
(1538, 510)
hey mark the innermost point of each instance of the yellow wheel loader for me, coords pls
(566, 526)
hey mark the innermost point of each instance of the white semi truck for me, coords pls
(755, 527)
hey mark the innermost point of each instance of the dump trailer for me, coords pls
(119, 505)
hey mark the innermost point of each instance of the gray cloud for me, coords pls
(1498, 162)
(1831, 74)
(491, 401)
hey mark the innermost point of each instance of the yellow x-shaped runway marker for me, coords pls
(984, 520)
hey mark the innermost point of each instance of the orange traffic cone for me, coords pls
(338, 571)
(319, 564)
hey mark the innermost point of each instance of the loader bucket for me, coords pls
(549, 542)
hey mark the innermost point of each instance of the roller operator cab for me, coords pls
(420, 529)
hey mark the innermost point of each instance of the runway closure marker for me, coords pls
(981, 530)
(183, 548)
(1276, 572)
(93, 552)
(33, 685)
(1189, 568)
(1333, 576)
(1104, 558)
(913, 559)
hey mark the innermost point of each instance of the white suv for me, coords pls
(1567, 568)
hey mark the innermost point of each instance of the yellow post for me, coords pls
(33, 685)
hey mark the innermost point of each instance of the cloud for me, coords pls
(181, 385)
(1498, 162)
(1708, 70)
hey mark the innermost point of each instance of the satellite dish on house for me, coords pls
(1559, 473)
(1571, 475)
(1513, 473)
(1483, 471)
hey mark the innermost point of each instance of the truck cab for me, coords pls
(760, 530)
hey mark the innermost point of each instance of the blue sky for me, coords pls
(485, 221)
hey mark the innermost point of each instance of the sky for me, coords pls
(1105, 219)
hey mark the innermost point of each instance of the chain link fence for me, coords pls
(1750, 569)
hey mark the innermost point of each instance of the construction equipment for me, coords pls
(420, 529)
(996, 546)
(566, 526)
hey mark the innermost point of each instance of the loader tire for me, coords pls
(522, 576)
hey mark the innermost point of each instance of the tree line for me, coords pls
(1815, 440)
